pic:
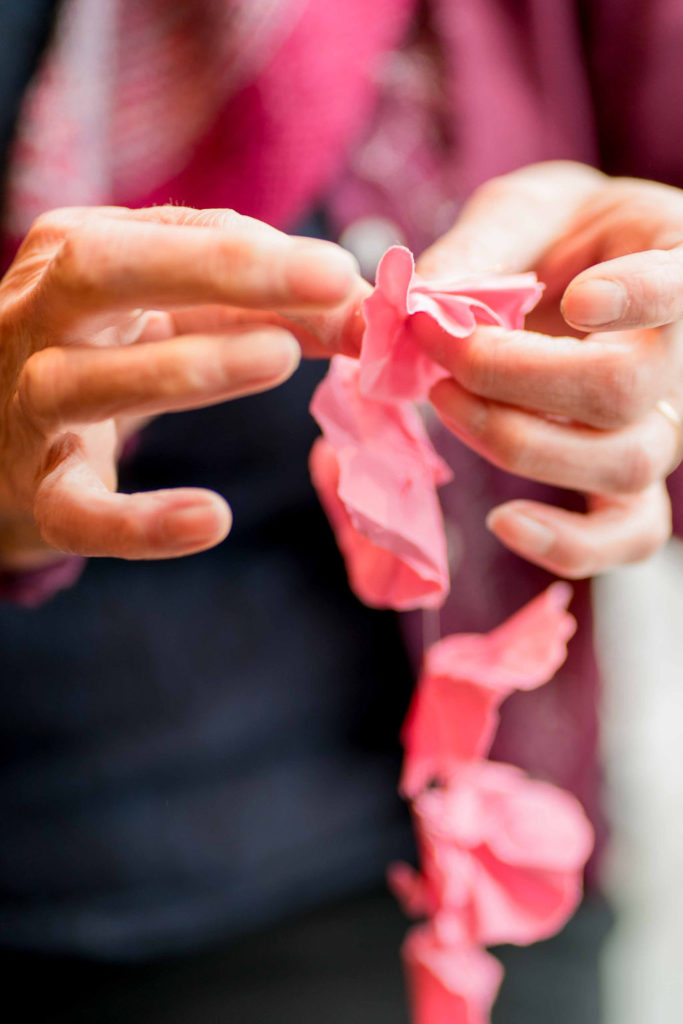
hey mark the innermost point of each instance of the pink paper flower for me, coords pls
(449, 984)
(502, 855)
(454, 711)
(393, 365)
(376, 474)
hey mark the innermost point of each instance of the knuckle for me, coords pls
(650, 541)
(129, 536)
(178, 376)
(38, 385)
(636, 470)
(181, 374)
(578, 562)
(477, 367)
(51, 223)
(218, 257)
(481, 362)
(509, 446)
(618, 394)
(90, 253)
(75, 265)
(231, 257)
(227, 220)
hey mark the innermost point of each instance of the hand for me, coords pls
(554, 403)
(110, 316)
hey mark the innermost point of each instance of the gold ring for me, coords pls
(669, 413)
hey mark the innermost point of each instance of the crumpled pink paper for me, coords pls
(448, 985)
(376, 474)
(393, 365)
(454, 711)
(502, 856)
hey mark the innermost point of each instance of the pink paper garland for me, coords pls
(502, 855)
(466, 677)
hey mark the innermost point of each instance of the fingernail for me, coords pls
(520, 531)
(595, 303)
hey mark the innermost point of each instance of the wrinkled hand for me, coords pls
(110, 316)
(563, 406)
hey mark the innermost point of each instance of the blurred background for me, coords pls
(199, 758)
(640, 642)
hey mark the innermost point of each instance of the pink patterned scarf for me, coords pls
(126, 91)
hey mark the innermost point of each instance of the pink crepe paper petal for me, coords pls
(377, 575)
(454, 711)
(376, 474)
(393, 365)
(539, 825)
(521, 654)
(452, 928)
(506, 298)
(348, 419)
(448, 721)
(521, 905)
(522, 820)
(503, 851)
(449, 985)
(411, 890)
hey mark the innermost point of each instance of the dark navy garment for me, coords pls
(193, 748)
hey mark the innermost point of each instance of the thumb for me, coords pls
(510, 221)
(643, 289)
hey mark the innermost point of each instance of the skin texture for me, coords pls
(571, 401)
(109, 317)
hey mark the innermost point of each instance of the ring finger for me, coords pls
(557, 452)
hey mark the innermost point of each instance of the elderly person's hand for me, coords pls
(589, 397)
(109, 316)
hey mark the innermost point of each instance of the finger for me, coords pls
(511, 220)
(77, 514)
(614, 531)
(563, 454)
(331, 331)
(320, 333)
(604, 381)
(60, 387)
(107, 264)
(644, 289)
(57, 222)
